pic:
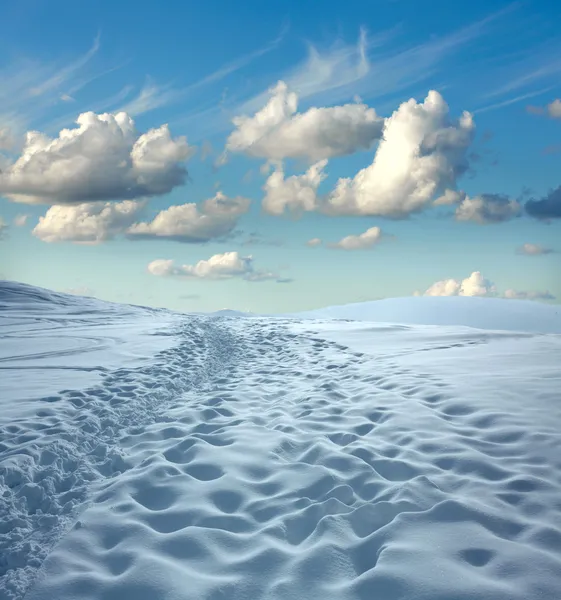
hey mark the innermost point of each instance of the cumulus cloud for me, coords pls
(474, 285)
(533, 249)
(477, 285)
(422, 153)
(314, 242)
(546, 208)
(216, 217)
(296, 194)
(87, 223)
(277, 131)
(516, 295)
(219, 266)
(103, 158)
(162, 267)
(365, 240)
(488, 208)
(450, 197)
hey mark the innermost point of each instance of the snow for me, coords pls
(49, 337)
(482, 313)
(284, 458)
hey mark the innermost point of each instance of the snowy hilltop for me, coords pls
(402, 449)
(481, 313)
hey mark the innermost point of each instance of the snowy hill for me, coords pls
(481, 313)
(151, 455)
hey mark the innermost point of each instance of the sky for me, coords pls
(281, 156)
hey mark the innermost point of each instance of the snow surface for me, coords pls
(285, 458)
(482, 313)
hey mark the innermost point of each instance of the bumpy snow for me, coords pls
(185, 457)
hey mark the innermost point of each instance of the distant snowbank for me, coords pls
(480, 313)
(15, 295)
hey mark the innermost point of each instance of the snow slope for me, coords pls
(481, 313)
(278, 459)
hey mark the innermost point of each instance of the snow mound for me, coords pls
(480, 313)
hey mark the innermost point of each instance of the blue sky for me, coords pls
(342, 123)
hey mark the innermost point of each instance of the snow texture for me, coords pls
(275, 459)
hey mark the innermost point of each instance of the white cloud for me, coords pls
(450, 197)
(474, 285)
(278, 131)
(554, 109)
(314, 242)
(477, 285)
(104, 158)
(532, 295)
(88, 223)
(219, 266)
(534, 249)
(422, 153)
(488, 208)
(368, 239)
(3, 228)
(162, 267)
(20, 220)
(296, 194)
(190, 223)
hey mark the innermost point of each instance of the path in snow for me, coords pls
(271, 459)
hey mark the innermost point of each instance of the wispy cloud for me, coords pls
(153, 96)
(513, 100)
(63, 75)
(30, 89)
(541, 65)
(241, 62)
